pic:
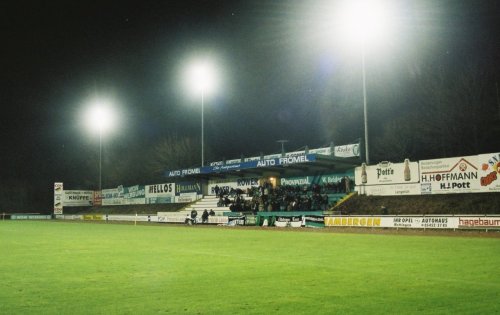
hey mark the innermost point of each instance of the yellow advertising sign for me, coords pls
(353, 221)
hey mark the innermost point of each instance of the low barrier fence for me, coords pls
(416, 222)
(282, 219)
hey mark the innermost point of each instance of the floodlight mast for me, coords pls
(202, 80)
(363, 23)
(100, 118)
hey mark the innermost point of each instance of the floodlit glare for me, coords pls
(201, 78)
(363, 22)
(100, 117)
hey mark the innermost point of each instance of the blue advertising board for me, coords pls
(282, 161)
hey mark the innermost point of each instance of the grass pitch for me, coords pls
(82, 268)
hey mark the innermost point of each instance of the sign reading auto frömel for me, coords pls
(450, 175)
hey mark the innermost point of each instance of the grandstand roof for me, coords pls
(282, 166)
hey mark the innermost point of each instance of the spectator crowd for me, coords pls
(265, 197)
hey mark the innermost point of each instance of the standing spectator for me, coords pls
(347, 185)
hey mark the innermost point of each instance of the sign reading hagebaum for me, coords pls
(450, 175)
(160, 193)
(489, 173)
(78, 198)
(58, 202)
(479, 222)
(387, 173)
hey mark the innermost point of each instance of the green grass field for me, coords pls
(85, 268)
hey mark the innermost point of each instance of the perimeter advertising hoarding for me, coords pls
(390, 190)
(78, 198)
(321, 179)
(112, 197)
(58, 193)
(387, 173)
(134, 195)
(30, 217)
(173, 218)
(188, 187)
(415, 222)
(450, 175)
(160, 193)
(479, 222)
(227, 184)
(186, 197)
(489, 172)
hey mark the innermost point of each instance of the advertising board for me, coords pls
(113, 196)
(160, 193)
(483, 222)
(450, 175)
(134, 195)
(78, 198)
(320, 179)
(414, 222)
(345, 151)
(58, 198)
(489, 172)
(387, 173)
(227, 184)
(390, 190)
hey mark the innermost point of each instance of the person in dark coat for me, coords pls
(204, 217)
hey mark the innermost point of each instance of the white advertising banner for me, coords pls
(390, 190)
(111, 197)
(78, 198)
(489, 172)
(160, 193)
(322, 151)
(130, 217)
(186, 197)
(227, 184)
(450, 175)
(414, 222)
(387, 173)
(345, 151)
(58, 196)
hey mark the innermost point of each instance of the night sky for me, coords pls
(278, 69)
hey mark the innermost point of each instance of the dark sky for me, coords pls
(275, 71)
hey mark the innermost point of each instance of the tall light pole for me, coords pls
(100, 118)
(365, 110)
(201, 79)
(364, 23)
